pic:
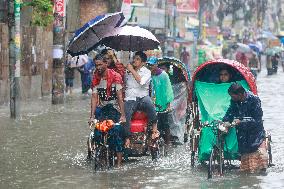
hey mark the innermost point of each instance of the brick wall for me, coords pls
(91, 8)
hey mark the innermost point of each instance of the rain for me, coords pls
(43, 140)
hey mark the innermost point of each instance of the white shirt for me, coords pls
(134, 89)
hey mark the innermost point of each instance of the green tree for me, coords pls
(42, 12)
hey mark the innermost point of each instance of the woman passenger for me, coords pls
(224, 76)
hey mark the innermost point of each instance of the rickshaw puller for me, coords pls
(250, 132)
(107, 93)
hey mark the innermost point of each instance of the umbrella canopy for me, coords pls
(240, 68)
(266, 35)
(254, 47)
(88, 37)
(243, 48)
(131, 38)
(274, 50)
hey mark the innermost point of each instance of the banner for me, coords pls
(153, 18)
(187, 6)
(59, 7)
(138, 2)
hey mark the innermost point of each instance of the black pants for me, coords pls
(143, 104)
(108, 112)
(164, 121)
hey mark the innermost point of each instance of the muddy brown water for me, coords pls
(45, 148)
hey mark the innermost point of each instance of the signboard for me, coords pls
(187, 6)
(137, 2)
(274, 43)
(195, 31)
(59, 7)
(150, 17)
(212, 31)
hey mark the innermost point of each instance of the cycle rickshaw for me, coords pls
(180, 78)
(210, 101)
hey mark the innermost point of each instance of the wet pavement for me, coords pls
(46, 148)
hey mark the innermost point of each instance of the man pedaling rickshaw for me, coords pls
(107, 94)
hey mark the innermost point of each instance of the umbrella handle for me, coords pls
(77, 60)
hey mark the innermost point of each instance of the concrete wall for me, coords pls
(36, 63)
(4, 64)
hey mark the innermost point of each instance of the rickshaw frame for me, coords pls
(181, 69)
(196, 126)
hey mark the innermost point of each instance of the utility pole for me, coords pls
(200, 17)
(58, 53)
(14, 8)
(174, 19)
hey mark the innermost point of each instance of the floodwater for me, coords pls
(46, 148)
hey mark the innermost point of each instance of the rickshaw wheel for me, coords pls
(268, 143)
(194, 141)
(102, 157)
(212, 166)
(192, 158)
(158, 149)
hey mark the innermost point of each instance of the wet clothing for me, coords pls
(69, 82)
(119, 68)
(274, 61)
(69, 76)
(107, 89)
(255, 161)
(115, 139)
(134, 89)
(69, 72)
(86, 72)
(108, 107)
(253, 62)
(104, 100)
(163, 91)
(137, 97)
(112, 78)
(250, 131)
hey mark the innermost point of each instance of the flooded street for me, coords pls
(46, 148)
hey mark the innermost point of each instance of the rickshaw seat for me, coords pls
(138, 122)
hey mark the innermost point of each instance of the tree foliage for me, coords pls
(42, 12)
(249, 8)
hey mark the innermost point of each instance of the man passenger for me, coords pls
(137, 80)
